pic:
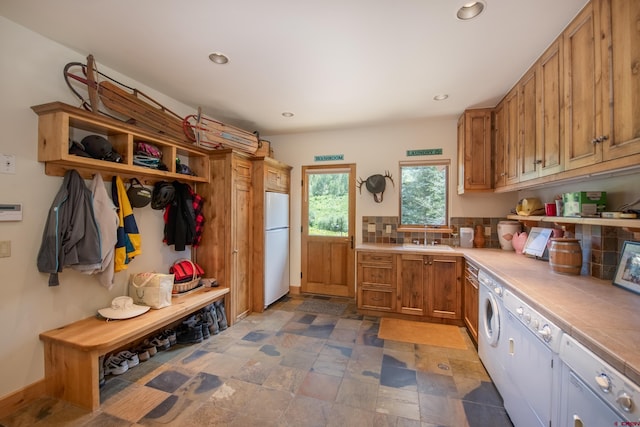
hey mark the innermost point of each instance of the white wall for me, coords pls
(376, 150)
(31, 74)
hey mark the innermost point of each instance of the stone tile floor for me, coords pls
(287, 367)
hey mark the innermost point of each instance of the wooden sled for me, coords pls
(212, 134)
(140, 109)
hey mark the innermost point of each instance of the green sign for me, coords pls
(427, 152)
(329, 158)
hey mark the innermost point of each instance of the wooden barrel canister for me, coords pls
(565, 256)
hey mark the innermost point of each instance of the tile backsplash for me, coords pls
(601, 245)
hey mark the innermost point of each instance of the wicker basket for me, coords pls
(179, 288)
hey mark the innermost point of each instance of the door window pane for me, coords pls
(328, 204)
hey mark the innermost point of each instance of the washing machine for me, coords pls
(492, 342)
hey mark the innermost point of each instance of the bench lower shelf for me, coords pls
(72, 351)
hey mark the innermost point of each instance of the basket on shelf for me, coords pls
(187, 275)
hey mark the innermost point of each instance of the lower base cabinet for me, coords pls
(411, 285)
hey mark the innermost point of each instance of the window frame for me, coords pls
(429, 227)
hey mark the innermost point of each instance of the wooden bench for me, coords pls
(71, 352)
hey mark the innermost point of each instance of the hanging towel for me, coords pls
(128, 237)
(71, 236)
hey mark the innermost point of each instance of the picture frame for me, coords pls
(628, 271)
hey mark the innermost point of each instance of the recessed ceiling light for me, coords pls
(218, 58)
(441, 97)
(287, 114)
(470, 10)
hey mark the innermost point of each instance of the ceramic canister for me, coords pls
(506, 231)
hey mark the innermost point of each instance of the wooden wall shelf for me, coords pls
(631, 225)
(59, 123)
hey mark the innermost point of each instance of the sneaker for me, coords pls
(143, 353)
(131, 358)
(114, 365)
(161, 342)
(150, 348)
(171, 335)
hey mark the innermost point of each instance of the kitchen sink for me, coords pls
(427, 248)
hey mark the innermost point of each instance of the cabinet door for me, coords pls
(621, 49)
(412, 284)
(475, 139)
(529, 163)
(550, 120)
(511, 137)
(276, 179)
(583, 90)
(240, 223)
(445, 286)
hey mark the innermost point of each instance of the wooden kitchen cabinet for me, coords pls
(376, 281)
(602, 75)
(268, 175)
(475, 170)
(511, 137)
(620, 35)
(225, 252)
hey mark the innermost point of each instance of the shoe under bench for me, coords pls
(71, 352)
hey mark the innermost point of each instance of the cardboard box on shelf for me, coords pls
(580, 203)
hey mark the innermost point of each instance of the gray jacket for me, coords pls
(71, 236)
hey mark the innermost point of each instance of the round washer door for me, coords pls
(490, 317)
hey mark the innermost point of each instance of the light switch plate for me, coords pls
(388, 229)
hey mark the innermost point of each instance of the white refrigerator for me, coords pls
(276, 247)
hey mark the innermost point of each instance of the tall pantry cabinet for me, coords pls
(225, 252)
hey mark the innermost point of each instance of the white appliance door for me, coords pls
(276, 265)
(276, 210)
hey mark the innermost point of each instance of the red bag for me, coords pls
(185, 271)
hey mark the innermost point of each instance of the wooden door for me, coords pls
(328, 233)
(550, 118)
(621, 74)
(412, 284)
(582, 90)
(527, 111)
(444, 286)
(511, 137)
(240, 223)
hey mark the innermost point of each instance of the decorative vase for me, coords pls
(519, 239)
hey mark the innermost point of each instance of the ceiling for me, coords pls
(333, 63)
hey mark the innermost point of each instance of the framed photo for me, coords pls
(628, 271)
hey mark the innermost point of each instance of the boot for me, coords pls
(221, 315)
(214, 328)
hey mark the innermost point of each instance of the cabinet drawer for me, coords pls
(375, 257)
(369, 275)
(376, 299)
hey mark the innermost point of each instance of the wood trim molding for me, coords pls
(14, 401)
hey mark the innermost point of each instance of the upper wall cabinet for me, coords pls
(620, 31)
(602, 83)
(540, 114)
(506, 142)
(474, 151)
(59, 123)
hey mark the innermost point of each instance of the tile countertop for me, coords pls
(601, 316)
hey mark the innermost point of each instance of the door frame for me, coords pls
(350, 168)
